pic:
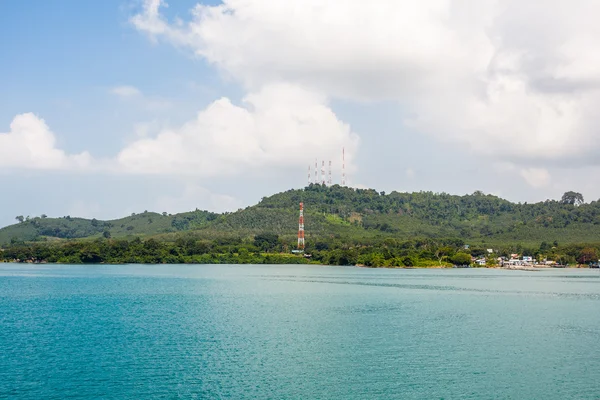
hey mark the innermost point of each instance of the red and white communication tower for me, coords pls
(323, 173)
(329, 179)
(301, 228)
(343, 167)
(309, 176)
(316, 172)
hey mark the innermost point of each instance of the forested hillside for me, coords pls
(354, 215)
(364, 213)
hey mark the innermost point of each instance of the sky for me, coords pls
(119, 106)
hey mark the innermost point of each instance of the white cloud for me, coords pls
(126, 91)
(280, 126)
(536, 177)
(344, 47)
(501, 76)
(31, 145)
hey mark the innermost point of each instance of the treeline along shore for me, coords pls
(344, 226)
(270, 249)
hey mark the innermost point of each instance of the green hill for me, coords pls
(359, 215)
(144, 224)
(353, 215)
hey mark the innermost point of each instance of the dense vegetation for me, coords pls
(344, 226)
(271, 249)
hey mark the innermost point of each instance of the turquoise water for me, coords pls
(297, 332)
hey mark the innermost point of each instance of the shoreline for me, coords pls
(508, 268)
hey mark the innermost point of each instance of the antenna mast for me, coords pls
(329, 180)
(323, 173)
(309, 175)
(301, 228)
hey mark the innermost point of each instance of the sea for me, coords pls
(297, 332)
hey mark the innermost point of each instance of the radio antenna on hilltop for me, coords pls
(309, 176)
(343, 167)
(316, 172)
(323, 173)
(329, 180)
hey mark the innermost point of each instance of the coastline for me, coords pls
(531, 268)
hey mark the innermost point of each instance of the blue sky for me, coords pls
(65, 55)
(146, 105)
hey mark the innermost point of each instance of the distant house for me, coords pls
(513, 262)
(480, 261)
(490, 251)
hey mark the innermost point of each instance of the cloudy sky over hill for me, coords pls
(114, 107)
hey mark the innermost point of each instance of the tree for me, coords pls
(180, 223)
(408, 261)
(587, 255)
(491, 261)
(442, 252)
(461, 258)
(20, 218)
(106, 234)
(266, 241)
(43, 216)
(572, 198)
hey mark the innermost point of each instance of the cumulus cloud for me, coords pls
(344, 47)
(31, 145)
(501, 76)
(281, 125)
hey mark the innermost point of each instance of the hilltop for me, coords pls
(342, 213)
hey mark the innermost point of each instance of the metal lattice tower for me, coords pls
(301, 228)
(309, 176)
(323, 173)
(329, 179)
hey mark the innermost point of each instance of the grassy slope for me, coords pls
(143, 224)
